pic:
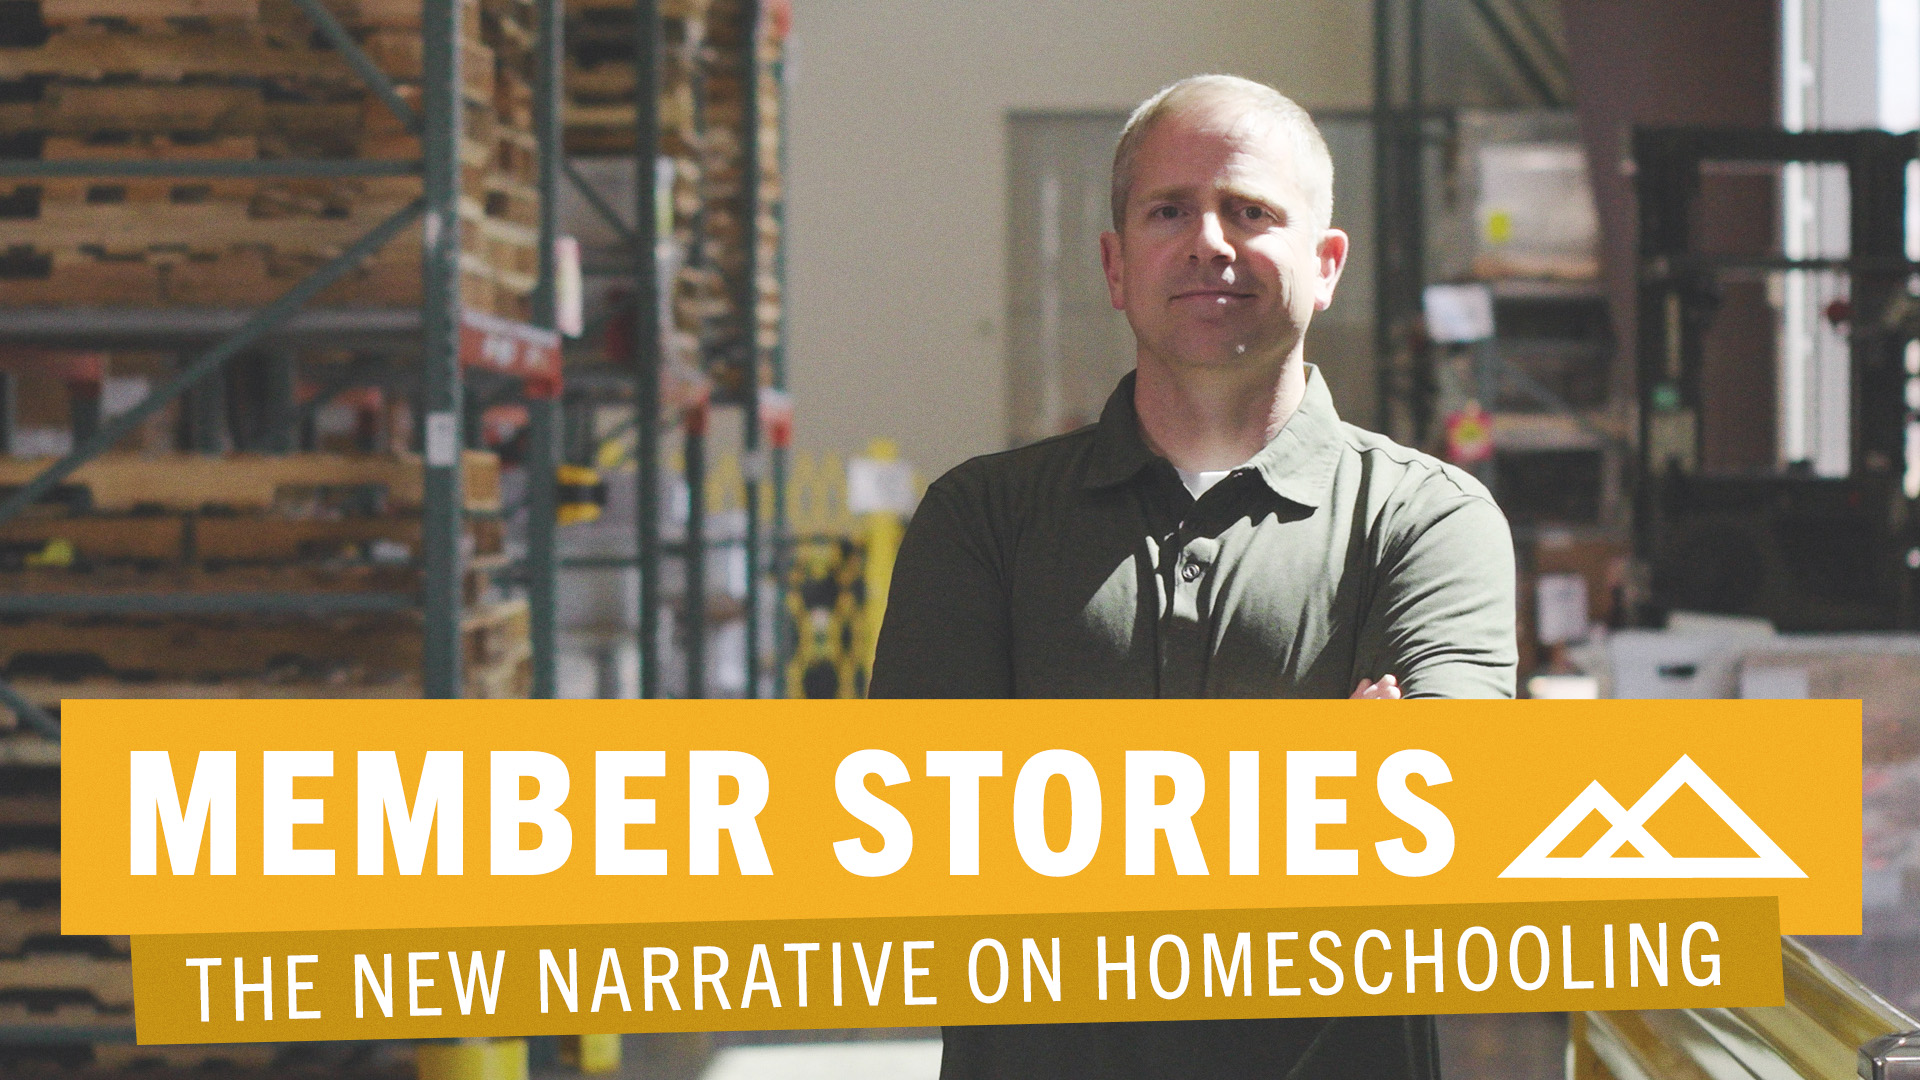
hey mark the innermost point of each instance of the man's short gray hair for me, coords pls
(1312, 164)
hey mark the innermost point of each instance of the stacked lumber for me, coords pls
(211, 530)
(718, 291)
(149, 80)
(599, 81)
(66, 1001)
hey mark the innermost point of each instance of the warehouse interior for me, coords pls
(604, 348)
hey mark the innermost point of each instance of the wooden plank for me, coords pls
(204, 227)
(149, 147)
(81, 110)
(74, 280)
(108, 979)
(27, 864)
(143, 539)
(121, 482)
(204, 648)
(243, 539)
(510, 676)
(164, 57)
(146, 12)
(29, 810)
(213, 1059)
(278, 539)
(18, 923)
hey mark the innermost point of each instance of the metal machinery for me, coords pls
(1806, 552)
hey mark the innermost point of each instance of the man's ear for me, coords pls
(1113, 264)
(1332, 255)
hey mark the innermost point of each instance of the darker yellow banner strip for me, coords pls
(1012, 969)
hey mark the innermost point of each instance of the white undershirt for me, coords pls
(1198, 482)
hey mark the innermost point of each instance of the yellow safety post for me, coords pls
(824, 598)
(591, 1054)
(472, 1059)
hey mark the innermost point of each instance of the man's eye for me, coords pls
(1254, 213)
(1166, 213)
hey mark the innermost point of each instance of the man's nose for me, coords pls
(1210, 240)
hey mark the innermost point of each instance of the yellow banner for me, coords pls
(1009, 969)
(202, 817)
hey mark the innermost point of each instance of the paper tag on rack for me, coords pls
(443, 439)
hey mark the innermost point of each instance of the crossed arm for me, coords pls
(1387, 689)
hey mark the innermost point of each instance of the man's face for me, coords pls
(1219, 261)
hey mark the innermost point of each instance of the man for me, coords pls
(1219, 533)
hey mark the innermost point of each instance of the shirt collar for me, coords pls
(1297, 465)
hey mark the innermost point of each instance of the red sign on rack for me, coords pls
(512, 348)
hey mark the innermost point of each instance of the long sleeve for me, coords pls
(1442, 616)
(946, 631)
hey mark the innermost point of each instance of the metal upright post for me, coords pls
(543, 407)
(276, 427)
(750, 317)
(646, 338)
(8, 406)
(206, 415)
(1399, 135)
(777, 360)
(441, 389)
(694, 557)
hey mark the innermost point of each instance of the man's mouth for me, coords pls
(1212, 296)
(1221, 296)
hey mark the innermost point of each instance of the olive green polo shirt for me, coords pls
(1081, 567)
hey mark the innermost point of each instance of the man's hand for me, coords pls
(1387, 689)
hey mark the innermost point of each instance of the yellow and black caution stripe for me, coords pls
(581, 495)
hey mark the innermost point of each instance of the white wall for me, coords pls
(897, 172)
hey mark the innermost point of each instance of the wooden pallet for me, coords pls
(227, 646)
(121, 483)
(177, 540)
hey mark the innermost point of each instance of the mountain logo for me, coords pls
(1629, 827)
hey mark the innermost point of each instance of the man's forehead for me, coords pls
(1217, 149)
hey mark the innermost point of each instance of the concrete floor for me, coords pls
(1492, 1047)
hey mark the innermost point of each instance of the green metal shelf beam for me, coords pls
(361, 63)
(646, 337)
(442, 389)
(543, 414)
(32, 716)
(244, 168)
(208, 603)
(600, 205)
(754, 467)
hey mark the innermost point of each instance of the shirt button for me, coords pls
(1191, 571)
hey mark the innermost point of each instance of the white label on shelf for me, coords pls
(875, 486)
(443, 439)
